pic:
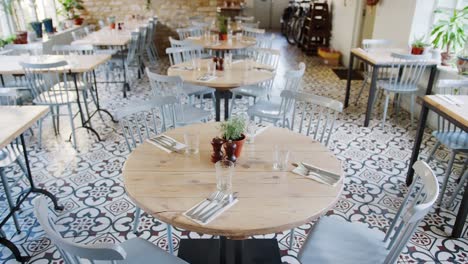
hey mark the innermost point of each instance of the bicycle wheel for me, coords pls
(298, 29)
(290, 31)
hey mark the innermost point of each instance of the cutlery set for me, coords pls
(206, 77)
(167, 143)
(210, 207)
(316, 173)
(186, 68)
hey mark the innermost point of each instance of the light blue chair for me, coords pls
(334, 240)
(135, 250)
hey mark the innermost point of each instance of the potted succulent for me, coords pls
(48, 25)
(70, 8)
(449, 34)
(37, 27)
(418, 46)
(233, 129)
(223, 27)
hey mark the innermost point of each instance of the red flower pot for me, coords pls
(240, 144)
(112, 25)
(417, 51)
(78, 21)
(223, 37)
(21, 37)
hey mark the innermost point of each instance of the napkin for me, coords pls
(206, 78)
(317, 174)
(178, 147)
(187, 68)
(222, 210)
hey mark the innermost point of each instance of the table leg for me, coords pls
(222, 250)
(126, 85)
(98, 106)
(14, 249)
(218, 95)
(226, 105)
(417, 143)
(348, 82)
(238, 251)
(461, 216)
(372, 92)
(1, 79)
(430, 83)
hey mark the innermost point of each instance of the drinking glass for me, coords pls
(280, 158)
(215, 39)
(192, 142)
(196, 64)
(239, 36)
(224, 171)
(211, 68)
(228, 60)
(251, 130)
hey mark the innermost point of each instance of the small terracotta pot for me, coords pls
(78, 21)
(240, 144)
(21, 37)
(417, 51)
(446, 57)
(112, 25)
(223, 36)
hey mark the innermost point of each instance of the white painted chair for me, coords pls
(20, 49)
(200, 24)
(266, 42)
(453, 138)
(189, 32)
(412, 68)
(186, 54)
(334, 240)
(251, 24)
(52, 88)
(150, 47)
(79, 34)
(175, 43)
(255, 33)
(244, 18)
(269, 57)
(135, 250)
(370, 45)
(272, 110)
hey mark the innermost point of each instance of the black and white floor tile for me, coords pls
(89, 184)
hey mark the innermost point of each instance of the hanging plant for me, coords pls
(372, 2)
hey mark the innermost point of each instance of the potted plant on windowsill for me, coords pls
(37, 27)
(48, 25)
(70, 9)
(449, 34)
(418, 46)
(233, 129)
(223, 28)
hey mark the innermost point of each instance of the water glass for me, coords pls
(224, 171)
(228, 60)
(280, 158)
(196, 64)
(192, 143)
(207, 35)
(239, 36)
(251, 130)
(215, 39)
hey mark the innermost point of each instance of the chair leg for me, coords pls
(40, 133)
(9, 198)
(291, 239)
(387, 97)
(137, 219)
(447, 176)
(433, 150)
(459, 187)
(169, 239)
(70, 113)
(54, 123)
(58, 119)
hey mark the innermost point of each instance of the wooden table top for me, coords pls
(17, 119)
(237, 76)
(76, 63)
(224, 45)
(458, 111)
(107, 37)
(166, 185)
(382, 56)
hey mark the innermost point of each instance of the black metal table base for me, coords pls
(210, 251)
(226, 95)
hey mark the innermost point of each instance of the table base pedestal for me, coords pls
(252, 251)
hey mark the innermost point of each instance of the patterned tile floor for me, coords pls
(89, 183)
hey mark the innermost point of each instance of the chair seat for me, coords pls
(70, 85)
(141, 251)
(9, 154)
(251, 90)
(265, 109)
(453, 140)
(333, 240)
(191, 114)
(397, 88)
(191, 89)
(55, 98)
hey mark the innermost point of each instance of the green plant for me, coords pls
(222, 24)
(70, 8)
(419, 43)
(450, 34)
(233, 128)
(7, 41)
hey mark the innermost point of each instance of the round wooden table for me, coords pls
(166, 185)
(224, 45)
(236, 76)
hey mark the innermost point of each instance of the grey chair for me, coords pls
(244, 18)
(255, 33)
(272, 110)
(186, 54)
(269, 57)
(175, 43)
(79, 33)
(334, 240)
(50, 86)
(453, 138)
(19, 49)
(189, 32)
(135, 250)
(149, 42)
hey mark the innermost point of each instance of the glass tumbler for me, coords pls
(224, 171)
(192, 142)
(280, 158)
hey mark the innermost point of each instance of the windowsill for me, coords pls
(47, 38)
(446, 72)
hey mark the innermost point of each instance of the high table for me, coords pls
(378, 59)
(15, 120)
(77, 64)
(457, 115)
(166, 185)
(236, 76)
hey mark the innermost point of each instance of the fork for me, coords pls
(214, 196)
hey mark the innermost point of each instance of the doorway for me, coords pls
(368, 21)
(269, 12)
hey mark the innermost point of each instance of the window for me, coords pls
(449, 6)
